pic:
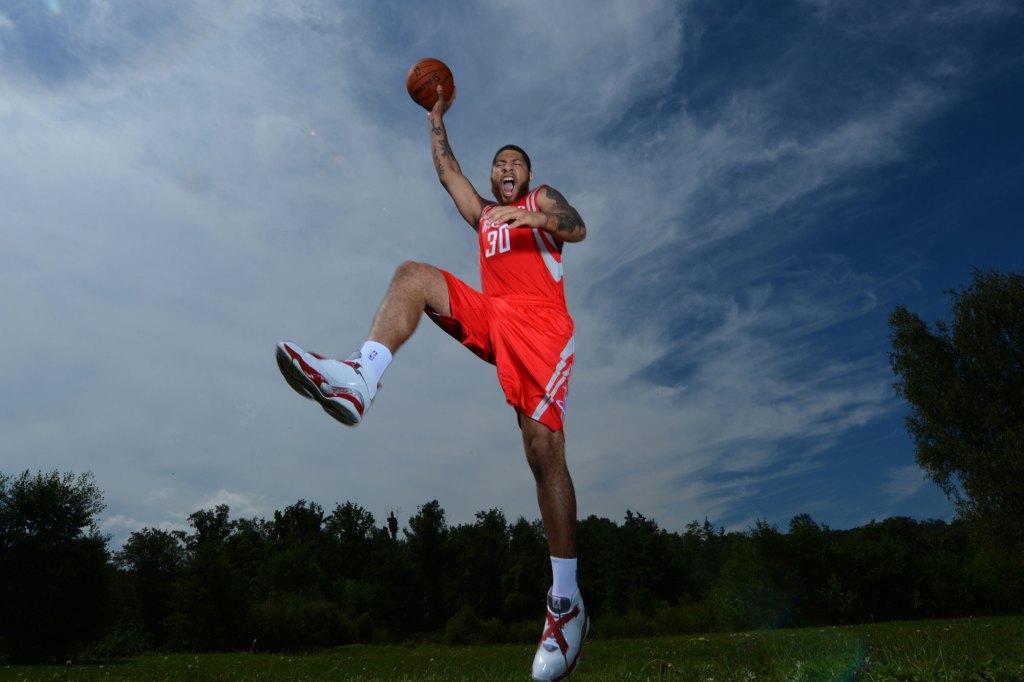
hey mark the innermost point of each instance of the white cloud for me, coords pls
(120, 527)
(904, 482)
(242, 504)
(959, 13)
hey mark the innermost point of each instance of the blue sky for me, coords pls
(184, 184)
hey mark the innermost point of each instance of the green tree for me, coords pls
(882, 566)
(153, 559)
(427, 542)
(295, 563)
(212, 596)
(385, 602)
(528, 575)
(647, 570)
(703, 551)
(965, 385)
(481, 557)
(351, 528)
(744, 593)
(54, 572)
(806, 553)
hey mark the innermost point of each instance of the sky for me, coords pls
(183, 185)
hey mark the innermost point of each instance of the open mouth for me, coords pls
(508, 185)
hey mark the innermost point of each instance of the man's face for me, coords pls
(510, 178)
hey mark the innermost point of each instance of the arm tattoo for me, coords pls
(569, 219)
(441, 148)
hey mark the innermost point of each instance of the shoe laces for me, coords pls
(558, 615)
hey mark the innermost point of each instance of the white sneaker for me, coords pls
(560, 645)
(344, 388)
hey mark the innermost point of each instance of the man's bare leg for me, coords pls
(415, 286)
(566, 623)
(556, 496)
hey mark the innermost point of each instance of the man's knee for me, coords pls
(420, 275)
(544, 447)
(411, 270)
(424, 283)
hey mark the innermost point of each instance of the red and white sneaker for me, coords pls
(344, 388)
(564, 631)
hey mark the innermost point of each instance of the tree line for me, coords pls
(311, 578)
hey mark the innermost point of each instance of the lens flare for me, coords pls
(859, 660)
(54, 7)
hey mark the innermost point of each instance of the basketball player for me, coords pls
(519, 323)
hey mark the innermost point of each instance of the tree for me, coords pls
(352, 529)
(704, 548)
(965, 385)
(647, 569)
(427, 540)
(747, 591)
(153, 559)
(212, 595)
(213, 526)
(296, 563)
(528, 574)
(54, 573)
(481, 557)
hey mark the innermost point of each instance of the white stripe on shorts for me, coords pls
(559, 377)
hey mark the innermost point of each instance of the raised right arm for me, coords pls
(466, 198)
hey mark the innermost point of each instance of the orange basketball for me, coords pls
(423, 79)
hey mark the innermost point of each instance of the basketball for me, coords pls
(423, 79)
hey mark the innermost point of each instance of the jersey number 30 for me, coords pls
(499, 240)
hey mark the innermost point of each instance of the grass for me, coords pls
(975, 650)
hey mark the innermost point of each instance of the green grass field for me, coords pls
(972, 649)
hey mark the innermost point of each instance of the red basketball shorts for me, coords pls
(528, 339)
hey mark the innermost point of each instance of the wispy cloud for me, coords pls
(903, 482)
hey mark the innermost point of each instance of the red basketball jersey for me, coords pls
(520, 261)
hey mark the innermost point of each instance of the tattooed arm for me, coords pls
(555, 216)
(462, 192)
(563, 220)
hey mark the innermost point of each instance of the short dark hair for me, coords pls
(515, 149)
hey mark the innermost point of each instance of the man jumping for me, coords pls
(518, 322)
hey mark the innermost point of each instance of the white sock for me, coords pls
(564, 573)
(378, 355)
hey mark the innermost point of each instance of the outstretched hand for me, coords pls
(442, 104)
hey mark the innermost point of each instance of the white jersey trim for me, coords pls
(553, 265)
(545, 244)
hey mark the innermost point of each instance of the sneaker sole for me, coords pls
(305, 387)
